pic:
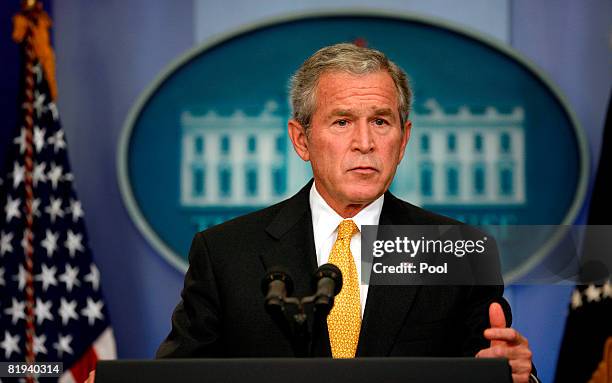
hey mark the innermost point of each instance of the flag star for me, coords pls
(12, 208)
(606, 290)
(2, 281)
(93, 277)
(93, 311)
(67, 310)
(73, 243)
(43, 310)
(54, 209)
(6, 245)
(63, 345)
(55, 175)
(39, 138)
(16, 311)
(70, 277)
(39, 102)
(50, 242)
(39, 344)
(10, 344)
(576, 299)
(54, 112)
(57, 140)
(47, 277)
(75, 209)
(21, 141)
(18, 174)
(592, 293)
(39, 174)
(20, 277)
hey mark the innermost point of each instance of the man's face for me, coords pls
(355, 140)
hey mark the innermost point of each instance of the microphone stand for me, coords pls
(300, 331)
(277, 286)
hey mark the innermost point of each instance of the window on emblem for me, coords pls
(452, 181)
(505, 143)
(506, 180)
(426, 178)
(478, 143)
(198, 177)
(479, 179)
(199, 145)
(252, 144)
(280, 144)
(279, 180)
(451, 143)
(225, 145)
(424, 143)
(251, 181)
(225, 181)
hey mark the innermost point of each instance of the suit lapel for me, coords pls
(386, 306)
(294, 248)
(294, 251)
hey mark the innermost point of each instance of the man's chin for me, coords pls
(364, 195)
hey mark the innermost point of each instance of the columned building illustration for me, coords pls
(464, 158)
(232, 164)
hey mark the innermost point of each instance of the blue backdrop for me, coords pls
(107, 54)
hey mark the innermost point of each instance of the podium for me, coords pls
(306, 370)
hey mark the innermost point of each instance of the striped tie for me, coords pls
(344, 320)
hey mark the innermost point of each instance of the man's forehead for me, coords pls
(381, 111)
(333, 75)
(338, 92)
(335, 82)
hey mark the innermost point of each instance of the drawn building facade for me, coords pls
(464, 158)
(233, 164)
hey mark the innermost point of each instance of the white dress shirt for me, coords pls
(325, 223)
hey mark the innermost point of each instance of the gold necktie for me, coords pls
(344, 320)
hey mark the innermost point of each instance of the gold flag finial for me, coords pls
(28, 4)
(35, 22)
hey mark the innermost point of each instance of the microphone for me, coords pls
(327, 281)
(276, 286)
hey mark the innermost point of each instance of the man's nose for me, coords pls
(363, 137)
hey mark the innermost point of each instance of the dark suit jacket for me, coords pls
(221, 313)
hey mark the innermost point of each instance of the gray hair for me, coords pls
(343, 58)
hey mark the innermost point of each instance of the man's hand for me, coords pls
(507, 343)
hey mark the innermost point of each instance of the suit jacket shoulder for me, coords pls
(399, 212)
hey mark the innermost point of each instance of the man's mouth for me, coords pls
(363, 170)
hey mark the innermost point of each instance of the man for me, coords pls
(350, 121)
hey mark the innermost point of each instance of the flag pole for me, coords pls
(24, 24)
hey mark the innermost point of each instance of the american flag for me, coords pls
(69, 321)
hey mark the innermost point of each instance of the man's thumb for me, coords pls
(496, 316)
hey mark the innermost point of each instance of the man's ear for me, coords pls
(297, 134)
(405, 138)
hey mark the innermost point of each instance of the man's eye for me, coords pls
(342, 122)
(380, 121)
